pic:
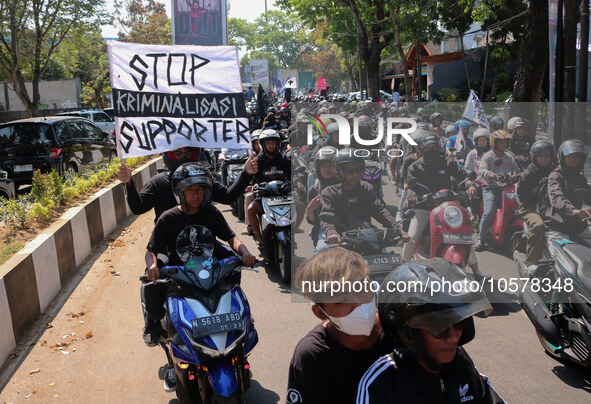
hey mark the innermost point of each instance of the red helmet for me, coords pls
(284, 105)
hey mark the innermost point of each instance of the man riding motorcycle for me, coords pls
(191, 183)
(460, 141)
(271, 121)
(436, 120)
(435, 173)
(494, 163)
(560, 207)
(519, 144)
(481, 139)
(543, 161)
(353, 201)
(272, 165)
(325, 176)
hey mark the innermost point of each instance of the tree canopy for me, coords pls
(32, 31)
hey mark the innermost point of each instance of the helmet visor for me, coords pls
(569, 148)
(439, 320)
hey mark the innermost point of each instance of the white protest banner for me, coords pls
(289, 83)
(170, 96)
(474, 110)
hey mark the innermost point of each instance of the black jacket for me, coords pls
(353, 207)
(397, 378)
(558, 200)
(531, 179)
(436, 175)
(157, 193)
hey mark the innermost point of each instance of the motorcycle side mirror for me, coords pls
(472, 176)
(583, 194)
(498, 162)
(412, 181)
(409, 214)
(300, 170)
(329, 218)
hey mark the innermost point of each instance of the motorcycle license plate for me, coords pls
(216, 324)
(23, 168)
(279, 200)
(382, 261)
(458, 239)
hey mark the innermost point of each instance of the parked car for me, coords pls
(111, 112)
(7, 189)
(100, 118)
(60, 143)
(384, 96)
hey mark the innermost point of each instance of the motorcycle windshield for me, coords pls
(202, 272)
(275, 188)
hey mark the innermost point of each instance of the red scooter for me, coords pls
(507, 221)
(449, 234)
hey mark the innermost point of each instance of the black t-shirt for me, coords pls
(277, 168)
(173, 221)
(323, 371)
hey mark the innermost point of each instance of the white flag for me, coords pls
(474, 110)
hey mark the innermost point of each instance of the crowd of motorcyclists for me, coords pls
(456, 170)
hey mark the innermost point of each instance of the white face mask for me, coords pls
(359, 322)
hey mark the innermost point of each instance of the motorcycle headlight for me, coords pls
(452, 215)
(283, 221)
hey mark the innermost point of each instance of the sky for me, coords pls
(247, 9)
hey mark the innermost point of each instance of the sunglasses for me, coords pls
(352, 170)
(445, 333)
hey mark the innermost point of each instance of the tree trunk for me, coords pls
(465, 63)
(483, 86)
(533, 61)
(373, 75)
(404, 65)
(570, 49)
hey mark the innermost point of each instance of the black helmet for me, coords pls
(427, 307)
(427, 138)
(572, 146)
(266, 135)
(541, 148)
(346, 156)
(326, 153)
(271, 109)
(191, 174)
(496, 122)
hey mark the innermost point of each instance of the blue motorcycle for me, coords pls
(208, 330)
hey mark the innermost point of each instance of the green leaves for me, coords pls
(276, 35)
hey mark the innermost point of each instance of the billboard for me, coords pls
(259, 72)
(305, 80)
(199, 22)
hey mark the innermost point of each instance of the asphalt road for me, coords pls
(107, 361)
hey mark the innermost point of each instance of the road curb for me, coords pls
(33, 277)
